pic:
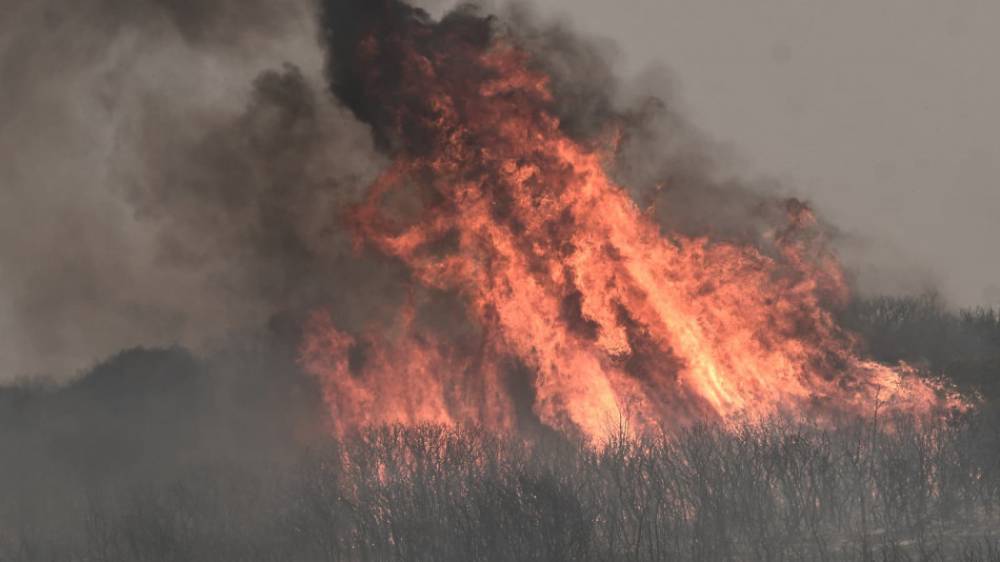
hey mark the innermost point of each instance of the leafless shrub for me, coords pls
(778, 490)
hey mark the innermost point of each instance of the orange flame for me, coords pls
(564, 275)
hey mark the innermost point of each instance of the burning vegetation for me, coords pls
(570, 291)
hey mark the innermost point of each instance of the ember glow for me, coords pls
(564, 278)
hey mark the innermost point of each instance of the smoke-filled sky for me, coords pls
(164, 177)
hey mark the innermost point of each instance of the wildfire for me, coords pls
(565, 280)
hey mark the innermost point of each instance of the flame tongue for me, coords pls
(561, 271)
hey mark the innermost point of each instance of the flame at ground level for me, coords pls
(564, 277)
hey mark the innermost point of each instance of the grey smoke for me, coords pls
(152, 155)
